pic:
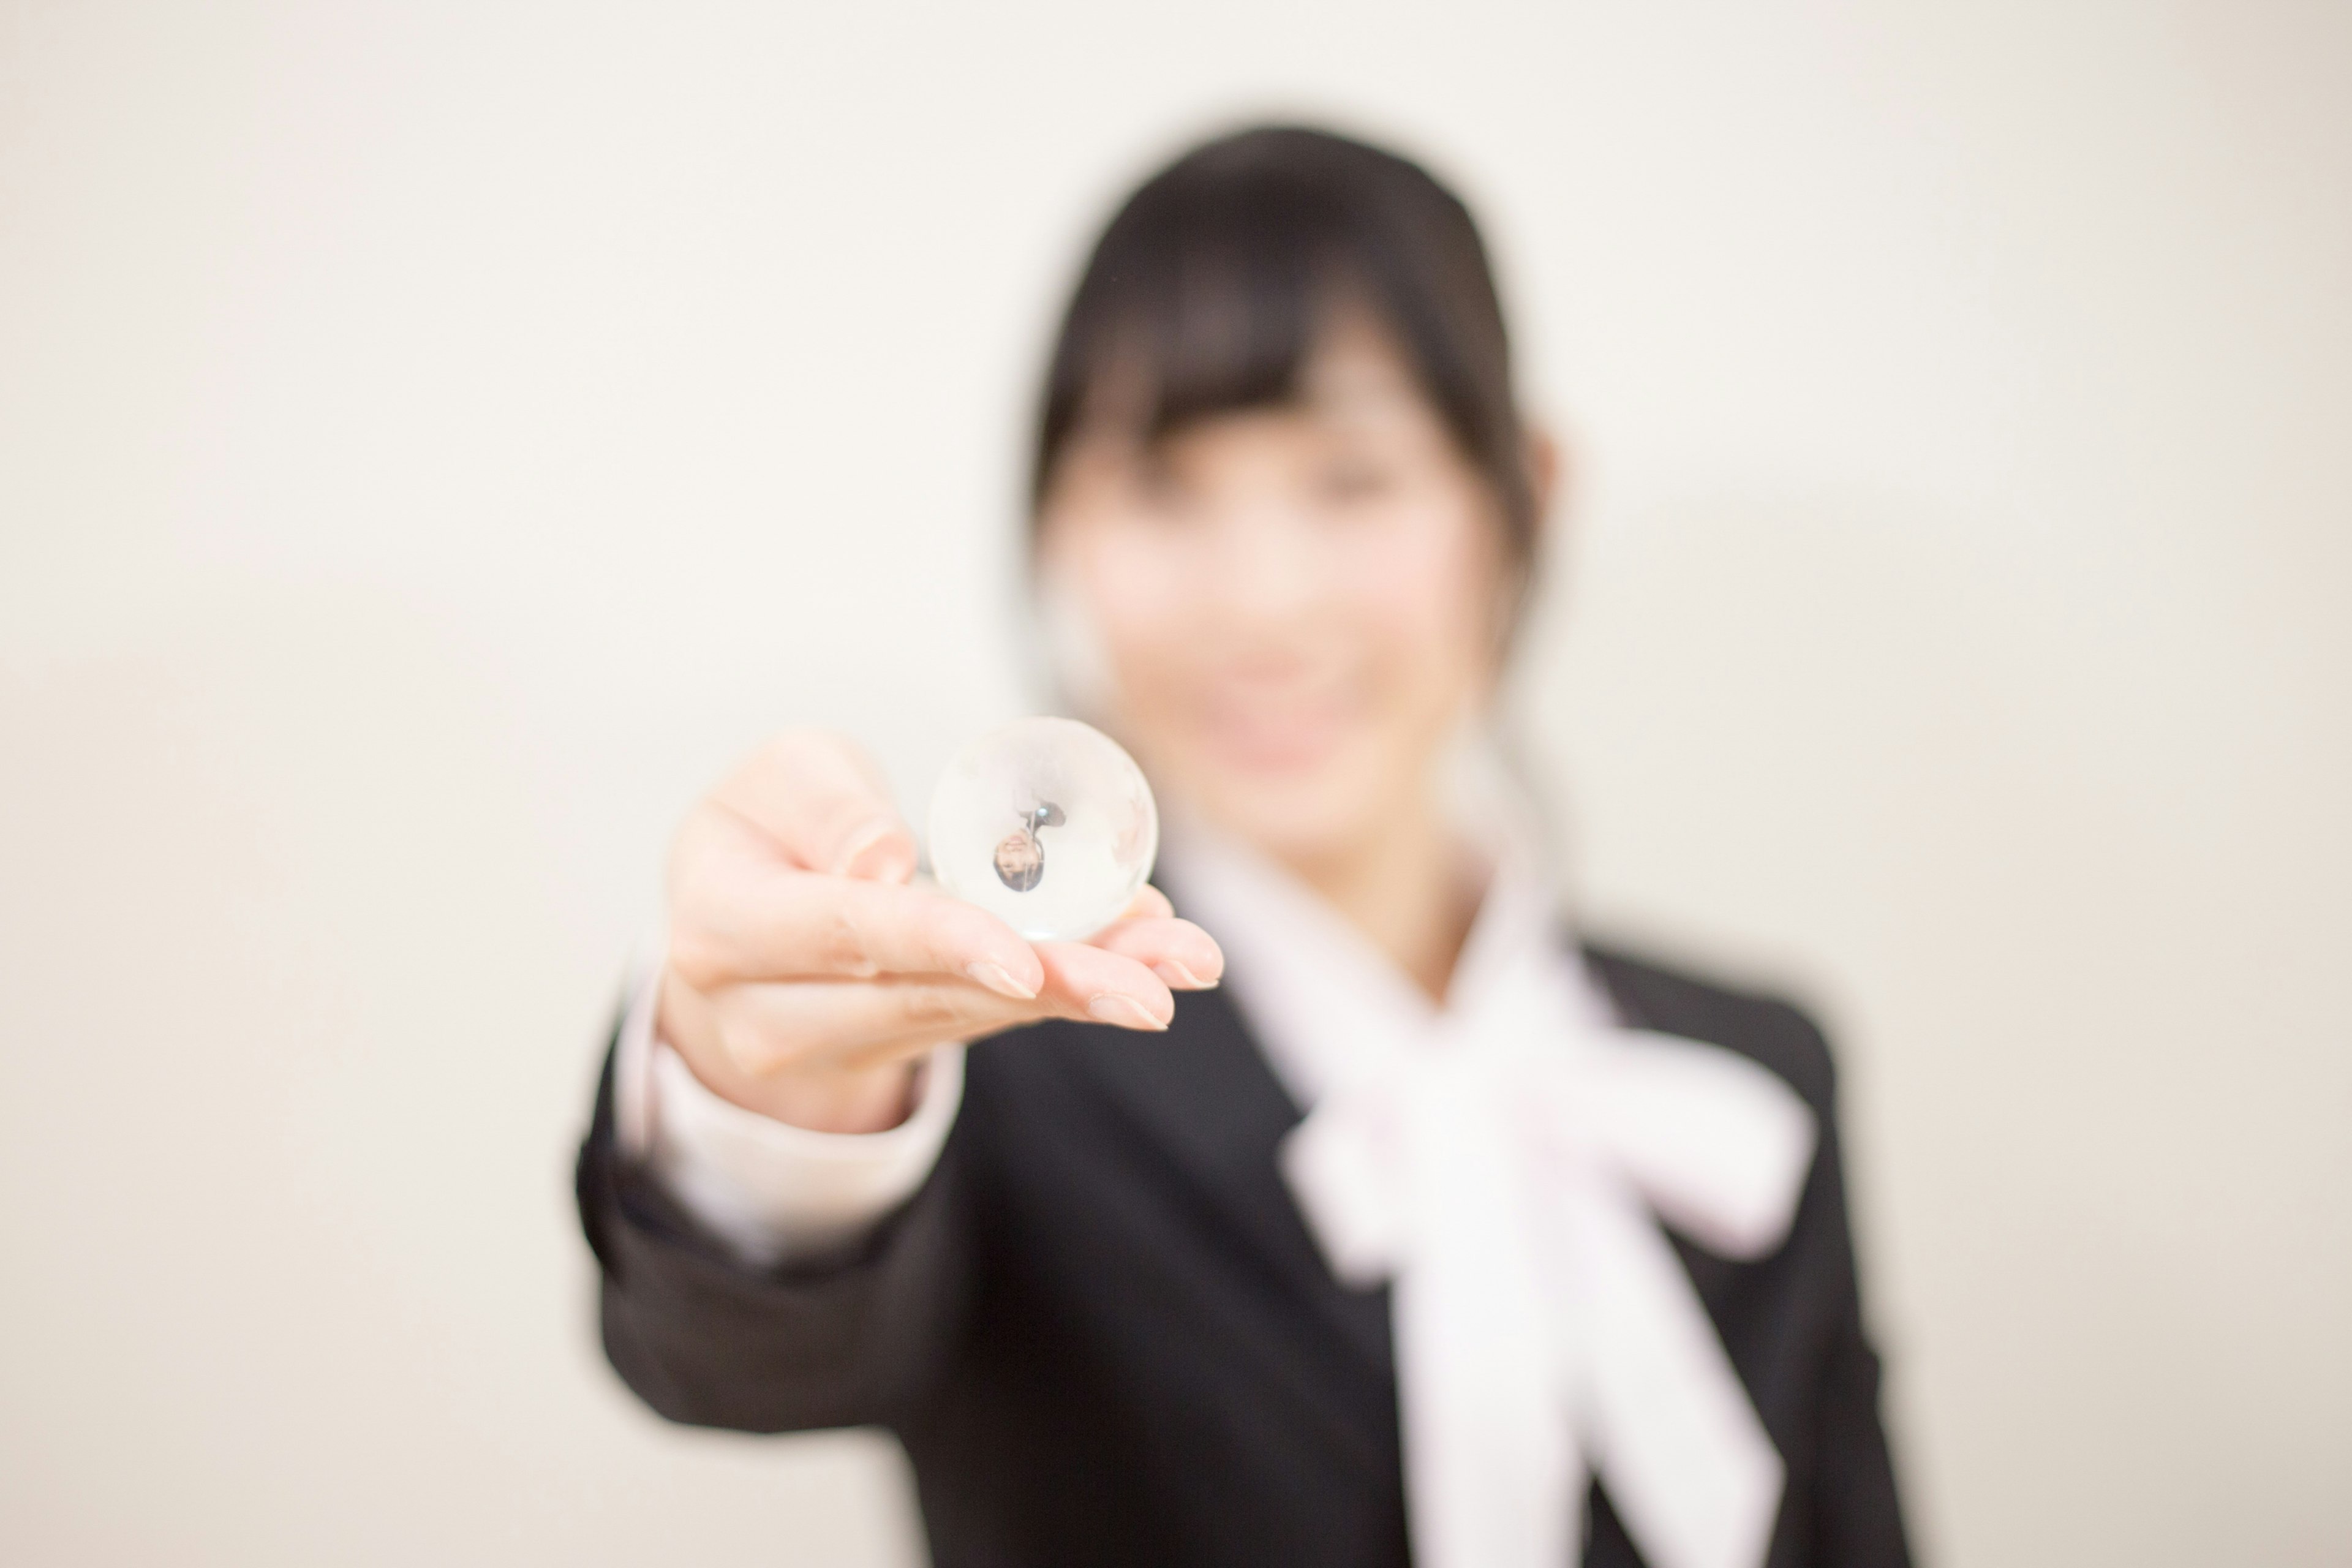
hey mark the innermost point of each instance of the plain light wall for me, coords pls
(436, 439)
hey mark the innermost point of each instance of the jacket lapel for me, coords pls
(1207, 1097)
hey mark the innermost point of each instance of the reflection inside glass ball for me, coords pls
(1020, 859)
(1047, 824)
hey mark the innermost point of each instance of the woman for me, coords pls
(1435, 1236)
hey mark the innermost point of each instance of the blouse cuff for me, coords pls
(769, 1192)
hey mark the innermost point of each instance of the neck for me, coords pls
(1408, 889)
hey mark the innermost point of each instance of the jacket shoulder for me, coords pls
(1771, 1030)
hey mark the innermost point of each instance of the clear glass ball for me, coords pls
(1045, 824)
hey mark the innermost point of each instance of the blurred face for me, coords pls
(1296, 606)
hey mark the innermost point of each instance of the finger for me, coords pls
(834, 1025)
(768, 1027)
(1149, 904)
(822, 801)
(1183, 956)
(738, 916)
(1104, 987)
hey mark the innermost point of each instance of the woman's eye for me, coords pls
(1353, 481)
(1160, 487)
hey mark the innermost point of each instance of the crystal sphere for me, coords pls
(1045, 824)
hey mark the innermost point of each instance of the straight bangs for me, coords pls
(1214, 286)
(1192, 313)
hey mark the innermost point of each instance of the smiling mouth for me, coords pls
(1283, 739)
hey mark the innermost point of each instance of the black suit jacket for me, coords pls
(1105, 1336)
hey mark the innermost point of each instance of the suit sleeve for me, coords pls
(1858, 1521)
(1856, 1513)
(710, 1341)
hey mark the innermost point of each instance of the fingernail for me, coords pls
(999, 979)
(1180, 977)
(1125, 1011)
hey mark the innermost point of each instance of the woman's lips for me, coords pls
(1277, 738)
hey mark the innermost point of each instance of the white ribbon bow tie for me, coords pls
(1504, 1178)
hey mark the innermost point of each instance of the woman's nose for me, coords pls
(1269, 568)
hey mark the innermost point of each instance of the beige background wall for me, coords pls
(434, 439)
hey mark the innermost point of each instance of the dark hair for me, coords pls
(1208, 291)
